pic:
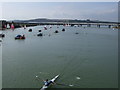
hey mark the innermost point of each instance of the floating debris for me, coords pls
(78, 78)
(43, 73)
(71, 85)
(76, 33)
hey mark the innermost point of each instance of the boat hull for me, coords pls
(53, 80)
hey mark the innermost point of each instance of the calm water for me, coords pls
(85, 60)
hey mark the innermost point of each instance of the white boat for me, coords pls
(8, 26)
(53, 80)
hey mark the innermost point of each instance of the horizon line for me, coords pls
(57, 19)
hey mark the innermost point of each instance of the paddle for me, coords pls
(70, 85)
(64, 85)
(38, 78)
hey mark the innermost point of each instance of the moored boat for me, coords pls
(2, 35)
(40, 34)
(30, 30)
(56, 31)
(20, 37)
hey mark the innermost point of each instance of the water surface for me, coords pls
(88, 59)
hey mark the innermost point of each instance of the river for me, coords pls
(88, 59)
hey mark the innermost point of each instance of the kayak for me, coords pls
(52, 80)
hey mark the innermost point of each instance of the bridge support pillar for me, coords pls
(81, 25)
(72, 25)
(109, 26)
(98, 26)
(89, 25)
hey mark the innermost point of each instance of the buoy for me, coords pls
(56, 31)
(30, 30)
(63, 29)
(39, 30)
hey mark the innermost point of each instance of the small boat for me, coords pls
(20, 37)
(12, 26)
(56, 31)
(63, 29)
(45, 28)
(2, 35)
(8, 26)
(39, 30)
(30, 30)
(52, 80)
(24, 26)
(40, 34)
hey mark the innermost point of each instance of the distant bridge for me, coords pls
(89, 24)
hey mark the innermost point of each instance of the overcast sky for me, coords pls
(107, 11)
